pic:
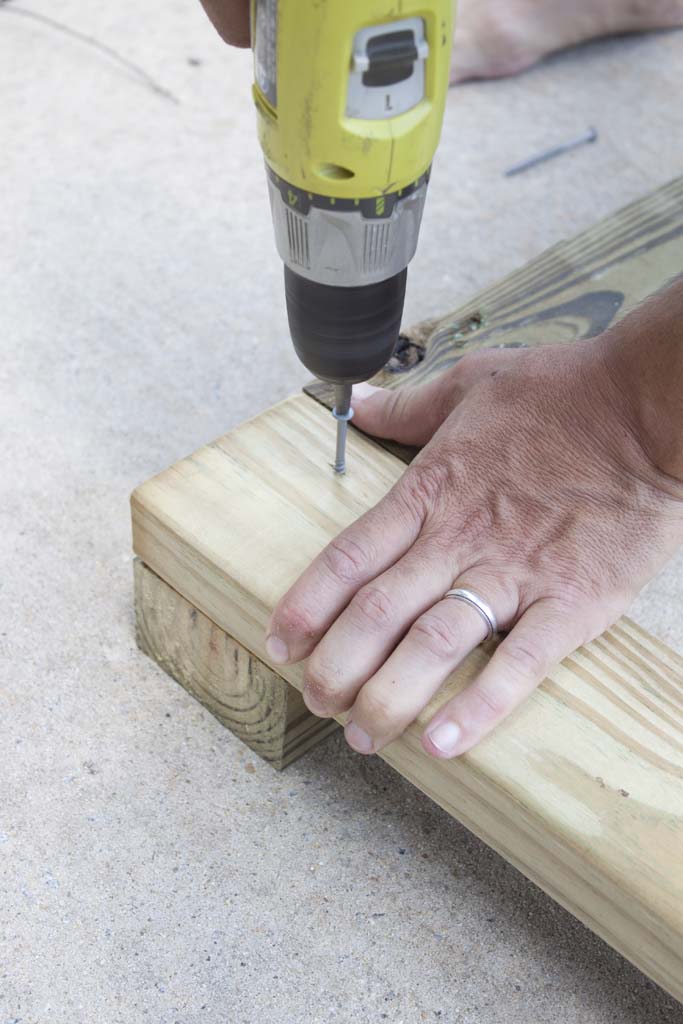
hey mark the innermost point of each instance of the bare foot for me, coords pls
(494, 38)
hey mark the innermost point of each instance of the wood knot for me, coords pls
(407, 354)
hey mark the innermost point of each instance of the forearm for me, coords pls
(644, 354)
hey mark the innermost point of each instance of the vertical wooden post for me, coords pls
(245, 695)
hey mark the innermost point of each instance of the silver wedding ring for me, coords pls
(479, 605)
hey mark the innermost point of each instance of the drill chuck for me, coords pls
(344, 335)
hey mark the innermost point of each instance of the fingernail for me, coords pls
(276, 649)
(363, 391)
(358, 738)
(445, 737)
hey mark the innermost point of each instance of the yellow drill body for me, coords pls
(350, 96)
(308, 138)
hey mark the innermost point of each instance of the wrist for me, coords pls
(643, 358)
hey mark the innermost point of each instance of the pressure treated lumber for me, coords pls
(245, 695)
(576, 289)
(581, 789)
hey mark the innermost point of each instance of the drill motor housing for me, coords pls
(350, 102)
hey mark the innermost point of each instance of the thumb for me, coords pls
(408, 415)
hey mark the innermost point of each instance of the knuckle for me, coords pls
(345, 559)
(294, 620)
(318, 688)
(373, 606)
(395, 405)
(436, 637)
(423, 485)
(524, 659)
(489, 704)
(569, 598)
(376, 710)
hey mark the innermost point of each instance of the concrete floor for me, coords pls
(150, 868)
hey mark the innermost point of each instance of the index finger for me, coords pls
(366, 548)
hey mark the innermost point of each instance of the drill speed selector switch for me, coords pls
(387, 75)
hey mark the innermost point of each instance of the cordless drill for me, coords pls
(350, 97)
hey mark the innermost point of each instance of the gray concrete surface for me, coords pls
(150, 868)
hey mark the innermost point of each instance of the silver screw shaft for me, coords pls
(342, 412)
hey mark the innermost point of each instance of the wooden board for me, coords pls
(245, 695)
(574, 290)
(581, 789)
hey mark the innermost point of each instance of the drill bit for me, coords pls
(342, 412)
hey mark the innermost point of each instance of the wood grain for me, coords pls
(245, 695)
(581, 789)
(576, 289)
